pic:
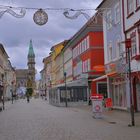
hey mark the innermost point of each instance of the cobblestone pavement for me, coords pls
(38, 120)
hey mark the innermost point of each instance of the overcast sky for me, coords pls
(15, 34)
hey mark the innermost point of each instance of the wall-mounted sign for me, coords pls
(110, 67)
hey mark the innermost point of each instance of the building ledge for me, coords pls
(129, 15)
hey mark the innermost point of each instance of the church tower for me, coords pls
(31, 66)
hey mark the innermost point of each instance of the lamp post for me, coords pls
(3, 102)
(65, 75)
(45, 91)
(12, 90)
(128, 49)
(50, 90)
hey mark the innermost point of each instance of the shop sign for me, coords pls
(110, 67)
(108, 103)
(97, 107)
(122, 66)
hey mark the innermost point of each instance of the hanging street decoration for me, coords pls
(76, 15)
(13, 13)
(40, 17)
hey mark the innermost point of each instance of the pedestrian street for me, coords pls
(38, 120)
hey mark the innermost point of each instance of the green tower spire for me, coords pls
(31, 50)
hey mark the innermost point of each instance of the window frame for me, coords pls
(110, 48)
(137, 3)
(133, 43)
(117, 20)
(139, 36)
(87, 41)
(128, 6)
(108, 15)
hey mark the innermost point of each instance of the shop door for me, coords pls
(102, 89)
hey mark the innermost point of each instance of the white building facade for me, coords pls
(131, 20)
(114, 53)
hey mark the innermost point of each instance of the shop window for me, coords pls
(119, 94)
(102, 89)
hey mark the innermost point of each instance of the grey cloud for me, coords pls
(15, 33)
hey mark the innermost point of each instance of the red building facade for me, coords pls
(88, 54)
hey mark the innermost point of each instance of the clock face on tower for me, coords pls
(40, 17)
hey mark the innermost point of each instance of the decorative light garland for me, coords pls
(13, 13)
(76, 15)
(40, 17)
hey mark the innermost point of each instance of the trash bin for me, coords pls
(97, 105)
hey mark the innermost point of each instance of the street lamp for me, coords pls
(128, 49)
(50, 90)
(45, 91)
(12, 90)
(3, 102)
(65, 75)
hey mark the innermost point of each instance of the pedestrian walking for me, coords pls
(28, 98)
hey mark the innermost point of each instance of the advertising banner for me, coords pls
(108, 103)
(97, 105)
